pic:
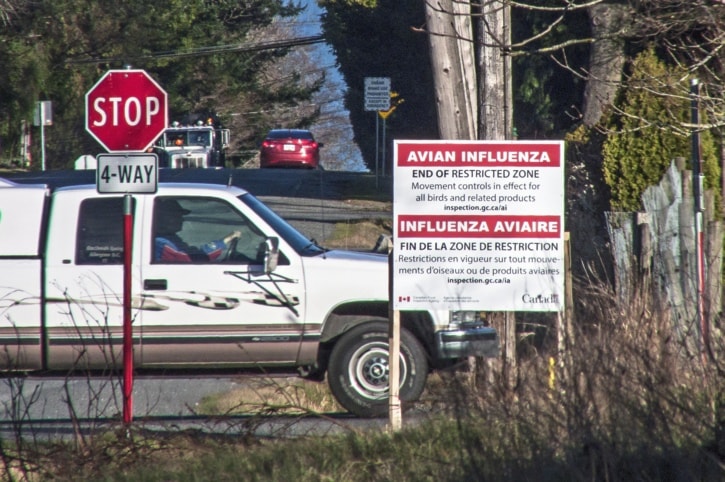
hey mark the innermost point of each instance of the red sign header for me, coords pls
(473, 226)
(478, 154)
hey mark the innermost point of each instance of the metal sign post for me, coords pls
(126, 111)
(127, 329)
(127, 173)
(698, 184)
(43, 117)
(377, 98)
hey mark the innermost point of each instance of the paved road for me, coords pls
(313, 184)
(311, 200)
(41, 408)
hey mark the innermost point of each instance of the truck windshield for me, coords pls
(185, 137)
(200, 138)
(302, 245)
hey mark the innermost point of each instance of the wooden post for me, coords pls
(509, 353)
(565, 320)
(394, 409)
(713, 260)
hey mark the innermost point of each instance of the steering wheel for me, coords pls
(231, 247)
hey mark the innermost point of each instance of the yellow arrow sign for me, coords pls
(393, 105)
(385, 113)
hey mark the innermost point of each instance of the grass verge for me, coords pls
(272, 395)
(626, 401)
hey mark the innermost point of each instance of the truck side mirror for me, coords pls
(271, 254)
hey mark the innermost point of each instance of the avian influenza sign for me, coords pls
(479, 225)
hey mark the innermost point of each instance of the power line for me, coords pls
(203, 51)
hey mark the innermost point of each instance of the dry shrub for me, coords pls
(358, 234)
(627, 399)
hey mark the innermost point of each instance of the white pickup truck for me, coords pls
(218, 281)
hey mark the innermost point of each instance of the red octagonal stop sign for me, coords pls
(126, 110)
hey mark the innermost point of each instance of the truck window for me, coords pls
(200, 138)
(99, 239)
(203, 230)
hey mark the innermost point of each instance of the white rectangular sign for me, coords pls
(377, 93)
(479, 225)
(130, 173)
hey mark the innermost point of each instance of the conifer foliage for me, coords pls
(209, 56)
(647, 129)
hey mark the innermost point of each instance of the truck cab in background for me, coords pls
(202, 144)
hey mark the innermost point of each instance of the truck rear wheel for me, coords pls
(359, 370)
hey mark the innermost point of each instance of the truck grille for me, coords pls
(182, 162)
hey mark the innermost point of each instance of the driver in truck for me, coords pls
(168, 245)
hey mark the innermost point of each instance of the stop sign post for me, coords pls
(126, 110)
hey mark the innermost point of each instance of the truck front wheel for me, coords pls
(359, 370)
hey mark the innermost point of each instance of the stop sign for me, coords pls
(126, 110)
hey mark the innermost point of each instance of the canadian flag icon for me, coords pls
(403, 298)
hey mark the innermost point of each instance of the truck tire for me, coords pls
(358, 370)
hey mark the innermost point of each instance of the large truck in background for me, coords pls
(201, 144)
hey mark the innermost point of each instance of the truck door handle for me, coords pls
(154, 284)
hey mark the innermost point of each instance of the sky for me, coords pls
(343, 154)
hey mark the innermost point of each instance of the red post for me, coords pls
(698, 183)
(127, 329)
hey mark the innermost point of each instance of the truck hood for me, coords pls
(348, 274)
(340, 255)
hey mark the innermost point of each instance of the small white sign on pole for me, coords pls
(129, 173)
(377, 93)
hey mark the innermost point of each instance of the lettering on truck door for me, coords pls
(194, 310)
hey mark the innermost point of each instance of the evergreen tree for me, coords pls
(198, 51)
(646, 132)
(376, 39)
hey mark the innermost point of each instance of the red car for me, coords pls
(290, 148)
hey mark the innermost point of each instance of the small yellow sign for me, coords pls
(385, 113)
(396, 100)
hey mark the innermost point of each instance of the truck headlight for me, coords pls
(459, 319)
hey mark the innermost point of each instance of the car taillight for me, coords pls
(267, 144)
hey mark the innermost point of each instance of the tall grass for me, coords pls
(626, 401)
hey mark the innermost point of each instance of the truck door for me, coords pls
(21, 229)
(84, 281)
(205, 300)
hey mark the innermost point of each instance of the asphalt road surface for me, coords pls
(311, 200)
(54, 408)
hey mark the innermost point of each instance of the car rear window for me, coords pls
(286, 133)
